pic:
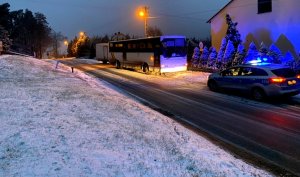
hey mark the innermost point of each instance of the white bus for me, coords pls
(157, 54)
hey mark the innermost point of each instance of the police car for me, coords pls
(258, 80)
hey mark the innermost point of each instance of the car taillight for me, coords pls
(277, 80)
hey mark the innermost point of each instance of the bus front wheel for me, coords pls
(145, 68)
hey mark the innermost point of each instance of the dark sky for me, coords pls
(100, 17)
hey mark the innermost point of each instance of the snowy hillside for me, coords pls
(58, 123)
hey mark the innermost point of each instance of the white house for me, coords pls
(268, 21)
(61, 50)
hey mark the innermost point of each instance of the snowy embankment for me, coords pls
(58, 123)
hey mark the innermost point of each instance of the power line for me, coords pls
(185, 15)
(216, 10)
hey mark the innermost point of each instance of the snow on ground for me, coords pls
(167, 79)
(58, 123)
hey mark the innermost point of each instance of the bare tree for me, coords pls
(154, 31)
(57, 38)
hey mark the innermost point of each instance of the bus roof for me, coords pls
(155, 37)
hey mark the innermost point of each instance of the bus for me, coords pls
(156, 54)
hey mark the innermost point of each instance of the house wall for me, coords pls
(281, 26)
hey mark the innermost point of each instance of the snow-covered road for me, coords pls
(58, 123)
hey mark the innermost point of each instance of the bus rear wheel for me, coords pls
(145, 68)
(118, 64)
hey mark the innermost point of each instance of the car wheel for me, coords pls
(213, 86)
(258, 94)
(118, 64)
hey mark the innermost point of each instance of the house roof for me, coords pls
(219, 11)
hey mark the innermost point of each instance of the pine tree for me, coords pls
(204, 57)
(4, 37)
(275, 54)
(29, 32)
(289, 60)
(201, 46)
(81, 46)
(252, 53)
(4, 16)
(240, 55)
(74, 48)
(263, 53)
(222, 50)
(232, 33)
(84, 48)
(212, 57)
(196, 57)
(24, 23)
(42, 37)
(229, 54)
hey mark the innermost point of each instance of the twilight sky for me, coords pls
(100, 17)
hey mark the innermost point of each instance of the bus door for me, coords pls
(124, 56)
(124, 51)
(156, 57)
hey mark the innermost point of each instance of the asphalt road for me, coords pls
(267, 131)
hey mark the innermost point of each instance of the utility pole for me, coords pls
(144, 13)
(146, 20)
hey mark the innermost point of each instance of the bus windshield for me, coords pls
(173, 47)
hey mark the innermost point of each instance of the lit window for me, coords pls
(119, 45)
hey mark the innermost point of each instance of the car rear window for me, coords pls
(258, 72)
(284, 72)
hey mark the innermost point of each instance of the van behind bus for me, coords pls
(103, 54)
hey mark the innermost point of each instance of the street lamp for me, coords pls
(66, 43)
(81, 33)
(141, 13)
(145, 14)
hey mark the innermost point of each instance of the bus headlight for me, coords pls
(152, 58)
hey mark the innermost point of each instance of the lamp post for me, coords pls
(145, 14)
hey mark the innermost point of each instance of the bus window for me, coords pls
(179, 43)
(169, 43)
(142, 45)
(119, 45)
(173, 48)
(149, 45)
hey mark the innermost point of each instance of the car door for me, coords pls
(247, 78)
(230, 78)
(251, 76)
